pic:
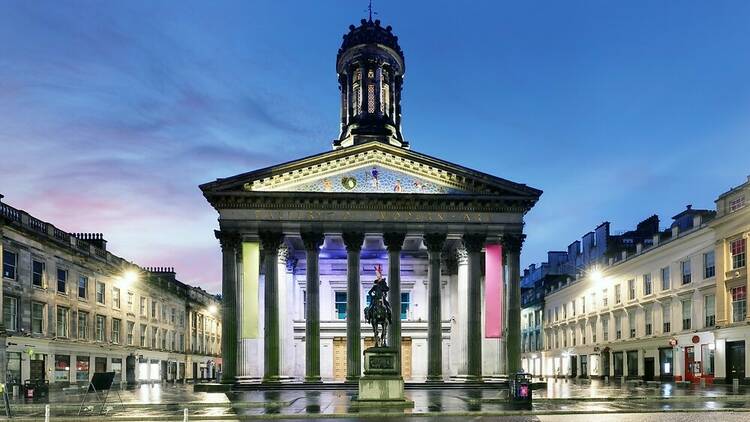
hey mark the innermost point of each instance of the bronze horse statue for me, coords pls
(378, 314)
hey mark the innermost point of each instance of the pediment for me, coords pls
(374, 167)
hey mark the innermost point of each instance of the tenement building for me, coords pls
(71, 308)
(658, 305)
(300, 242)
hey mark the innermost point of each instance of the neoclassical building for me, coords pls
(300, 241)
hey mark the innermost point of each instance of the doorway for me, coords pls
(691, 365)
(584, 366)
(605, 364)
(648, 369)
(666, 359)
(617, 358)
(573, 366)
(735, 360)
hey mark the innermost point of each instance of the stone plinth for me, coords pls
(382, 385)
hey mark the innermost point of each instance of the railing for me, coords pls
(10, 212)
(61, 235)
(37, 225)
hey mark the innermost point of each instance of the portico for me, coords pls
(448, 237)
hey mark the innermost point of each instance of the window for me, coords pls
(83, 283)
(163, 339)
(10, 262)
(565, 312)
(357, 92)
(631, 289)
(709, 265)
(593, 301)
(37, 274)
(83, 325)
(62, 321)
(686, 274)
(605, 329)
(62, 280)
(709, 310)
(737, 250)
(116, 298)
(573, 307)
(130, 301)
(631, 324)
(665, 279)
(618, 297)
(384, 92)
(405, 304)
(143, 335)
(100, 292)
(173, 315)
(666, 317)
(557, 313)
(37, 318)
(618, 327)
(593, 332)
(153, 309)
(737, 203)
(163, 312)
(130, 328)
(583, 305)
(101, 320)
(154, 337)
(371, 91)
(739, 303)
(687, 312)
(647, 290)
(340, 305)
(143, 306)
(648, 315)
(707, 352)
(583, 333)
(10, 313)
(605, 298)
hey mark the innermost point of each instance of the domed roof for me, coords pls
(369, 32)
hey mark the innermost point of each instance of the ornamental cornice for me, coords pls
(368, 202)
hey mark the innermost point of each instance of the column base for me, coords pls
(313, 380)
(352, 380)
(242, 380)
(433, 379)
(467, 378)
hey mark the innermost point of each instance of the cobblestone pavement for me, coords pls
(160, 402)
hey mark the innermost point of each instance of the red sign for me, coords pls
(696, 339)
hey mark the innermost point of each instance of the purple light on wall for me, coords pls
(493, 291)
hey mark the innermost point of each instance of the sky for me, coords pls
(112, 113)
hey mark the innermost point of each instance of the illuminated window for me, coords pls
(385, 93)
(357, 92)
(340, 302)
(739, 303)
(737, 249)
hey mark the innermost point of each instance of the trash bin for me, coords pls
(36, 390)
(520, 390)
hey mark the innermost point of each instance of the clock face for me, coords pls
(348, 183)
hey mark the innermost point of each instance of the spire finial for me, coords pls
(369, 10)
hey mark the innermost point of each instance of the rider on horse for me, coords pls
(377, 295)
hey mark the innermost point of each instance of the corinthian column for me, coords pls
(313, 242)
(474, 244)
(394, 242)
(270, 241)
(512, 248)
(229, 243)
(434, 243)
(353, 242)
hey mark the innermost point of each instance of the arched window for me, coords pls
(371, 91)
(357, 92)
(385, 93)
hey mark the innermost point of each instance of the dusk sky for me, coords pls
(112, 113)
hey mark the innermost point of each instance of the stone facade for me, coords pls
(71, 308)
(674, 308)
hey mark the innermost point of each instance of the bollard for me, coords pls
(703, 383)
(46, 413)
(735, 384)
(185, 415)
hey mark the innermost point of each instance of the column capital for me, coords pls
(353, 241)
(228, 240)
(312, 240)
(434, 241)
(462, 256)
(283, 254)
(270, 240)
(512, 242)
(474, 242)
(394, 241)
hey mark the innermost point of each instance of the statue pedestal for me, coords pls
(382, 384)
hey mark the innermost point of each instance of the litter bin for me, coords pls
(520, 390)
(36, 390)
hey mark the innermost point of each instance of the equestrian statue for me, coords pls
(378, 313)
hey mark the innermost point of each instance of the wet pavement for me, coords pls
(557, 397)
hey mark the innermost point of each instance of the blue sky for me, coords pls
(112, 113)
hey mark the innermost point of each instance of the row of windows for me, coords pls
(340, 304)
(586, 331)
(62, 286)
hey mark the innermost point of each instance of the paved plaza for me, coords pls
(559, 397)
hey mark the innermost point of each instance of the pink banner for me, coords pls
(493, 291)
